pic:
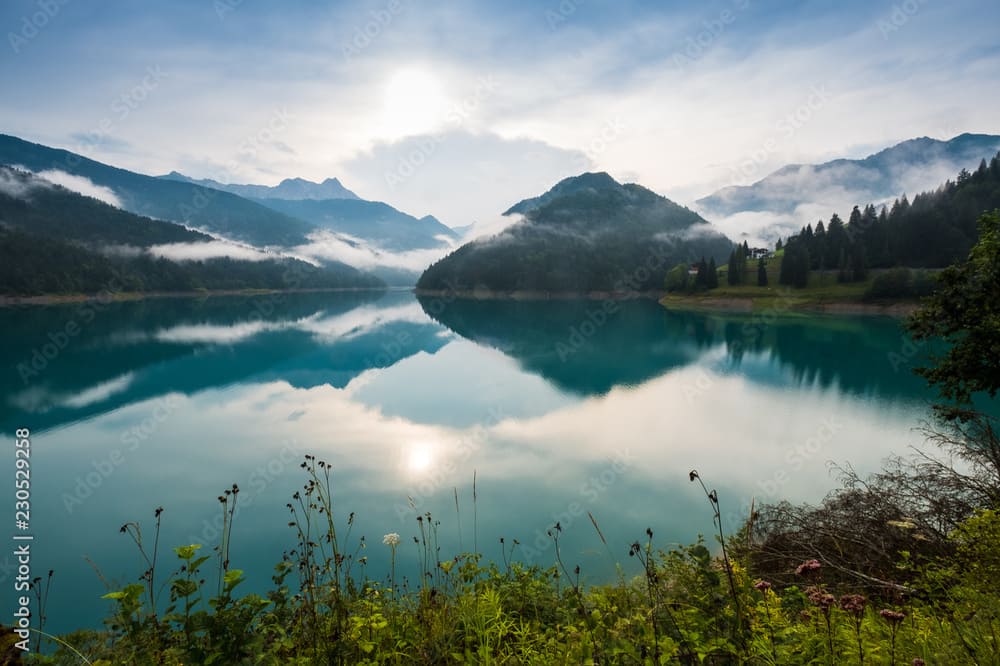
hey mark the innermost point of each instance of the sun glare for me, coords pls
(420, 458)
(414, 102)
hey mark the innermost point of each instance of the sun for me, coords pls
(413, 102)
(420, 458)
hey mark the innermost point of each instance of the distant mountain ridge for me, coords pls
(376, 230)
(587, 233)
(219, 212)
(289, 188)
(55, 241)
(910, 166)
(381, 224)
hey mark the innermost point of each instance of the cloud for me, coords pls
(562, 84)
(459, 176)
(17, 186)
(793, 197)
(39, 400)
(81, 185)
(328, 246)
(210, 250)
(491, 226)
(323, 327)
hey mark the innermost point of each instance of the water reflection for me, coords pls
(166, 403)
(589, 347)
(133, 351)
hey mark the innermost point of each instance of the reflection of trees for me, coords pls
(860, 355)
(569, 344)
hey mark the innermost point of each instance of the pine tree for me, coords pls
(732, 276)
(761, 273)
(701, 279)
(713, 275)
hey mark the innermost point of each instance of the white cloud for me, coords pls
(210, 250)
(81, 185)
(15, 187)
(328, 246)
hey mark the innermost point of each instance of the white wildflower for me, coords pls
(391, 539)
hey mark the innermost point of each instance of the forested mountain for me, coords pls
(53, 240)
(879, 177)
(220, 212)
(934, 230)
(36, 206)
(382, 225)
(588, 233)
(289, 188)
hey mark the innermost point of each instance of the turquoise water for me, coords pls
(558, 408)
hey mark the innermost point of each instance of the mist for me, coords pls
(81, 185)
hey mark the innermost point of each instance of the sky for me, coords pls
(460, 109)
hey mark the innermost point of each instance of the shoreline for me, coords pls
(790, 303)
(780, 301)
(66, 299)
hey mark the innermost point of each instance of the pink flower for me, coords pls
(808, 567)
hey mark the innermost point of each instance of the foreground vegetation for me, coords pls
(686, 607)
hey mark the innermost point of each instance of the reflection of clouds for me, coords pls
(38, 400)
(361, 320)
(216, 333)
(468, 382)
(350, 324)
(739, 435)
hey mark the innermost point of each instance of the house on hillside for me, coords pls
(760, 253)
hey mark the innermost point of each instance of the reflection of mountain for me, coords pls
(586, 347)
(128, 352)
(582, 347)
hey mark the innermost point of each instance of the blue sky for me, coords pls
(461, 108)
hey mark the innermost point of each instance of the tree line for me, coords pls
(934, 230)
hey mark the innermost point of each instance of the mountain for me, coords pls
(54, 240)
(910, 166)
(205, 208)
(290, 188)
(588, 233)
(34, 205)
(378, 223)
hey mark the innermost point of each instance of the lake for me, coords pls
(557, 408)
